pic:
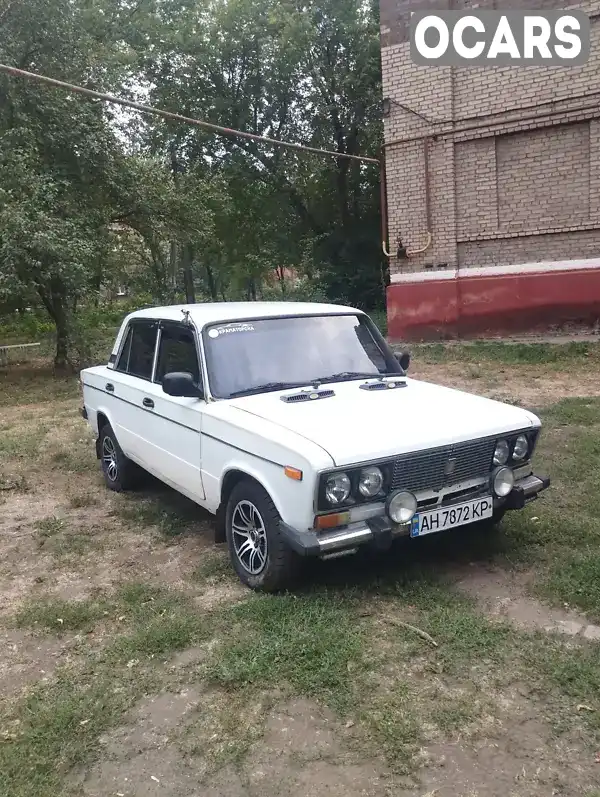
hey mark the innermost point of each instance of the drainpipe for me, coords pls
(384, 210)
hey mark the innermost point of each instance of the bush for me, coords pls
(302, 291)
(33, 326)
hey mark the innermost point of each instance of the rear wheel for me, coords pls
(119, 472)
(258, 552)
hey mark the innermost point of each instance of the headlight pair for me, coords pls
(517, 449)
(338, 486)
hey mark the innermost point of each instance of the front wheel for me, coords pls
(258, 552)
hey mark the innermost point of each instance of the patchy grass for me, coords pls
(56, 727)
(225, 728)
(575, 582)
(165, 509)
(551, 354)
(214, 566)
(34, 383)
(574, 411)
(50, 526)
(62, 538)
(23, 444)
(309, 642)
(560, 534)
(16, 482)
(339, 640)
(77, 456)
(58, 616)
(163, 622)
(82, 500)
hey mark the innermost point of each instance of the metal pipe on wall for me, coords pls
(420, 251)
(429, 136)
(471, 128)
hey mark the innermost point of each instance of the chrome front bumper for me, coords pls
(380, 530)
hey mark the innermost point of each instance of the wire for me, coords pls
(224, 131)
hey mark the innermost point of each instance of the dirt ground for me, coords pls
(66, 542)
(530, 386)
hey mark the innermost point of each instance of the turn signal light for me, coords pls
(332, 521)
(293, 473)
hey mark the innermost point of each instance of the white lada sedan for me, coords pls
(296, 425)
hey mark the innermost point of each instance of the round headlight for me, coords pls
(503, 482)
(521, 448)
(501, 453)
(370, 482)
(401, 507)
(337, 488)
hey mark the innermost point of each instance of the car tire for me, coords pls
(259, 554)
(119, 472)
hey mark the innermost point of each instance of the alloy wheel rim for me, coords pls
(249, 537)
(109, 459)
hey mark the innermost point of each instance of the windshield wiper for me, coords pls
(268, 386)
(352, 375)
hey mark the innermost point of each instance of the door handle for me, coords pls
(110, 387)
(147, 402)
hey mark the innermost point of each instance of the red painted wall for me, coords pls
(475, 306)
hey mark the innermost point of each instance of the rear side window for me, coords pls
(137, 355)
(124, 358)
(177, 352)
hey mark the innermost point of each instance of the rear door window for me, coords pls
(137, 355)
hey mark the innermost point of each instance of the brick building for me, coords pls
(493, 191)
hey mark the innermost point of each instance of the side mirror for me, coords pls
(403, 359)
(181, 383)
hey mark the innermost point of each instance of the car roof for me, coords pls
(205, 313)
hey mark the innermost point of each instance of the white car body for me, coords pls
(192, 443)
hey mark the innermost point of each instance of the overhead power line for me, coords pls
(148, 109)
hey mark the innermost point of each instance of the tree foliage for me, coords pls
(92, 197)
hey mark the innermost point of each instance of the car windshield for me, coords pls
(275, 353)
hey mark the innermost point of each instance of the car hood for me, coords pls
(358, 425)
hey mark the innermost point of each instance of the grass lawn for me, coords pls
(134, 663)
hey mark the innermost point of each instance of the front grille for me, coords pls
(441, 467)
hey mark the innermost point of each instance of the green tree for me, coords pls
(306, 72)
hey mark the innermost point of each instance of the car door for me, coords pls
(175, 442)
(128, 383)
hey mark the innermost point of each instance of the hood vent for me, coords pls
(383, 385)
(307, 395)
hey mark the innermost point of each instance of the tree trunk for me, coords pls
(212, 285)
(54, 298)
(173, 266)
(188, 277)
(97, 285)
(61, 358)
(281, 277)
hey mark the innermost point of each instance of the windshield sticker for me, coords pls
(215, 332)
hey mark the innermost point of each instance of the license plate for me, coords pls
(451, 516)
